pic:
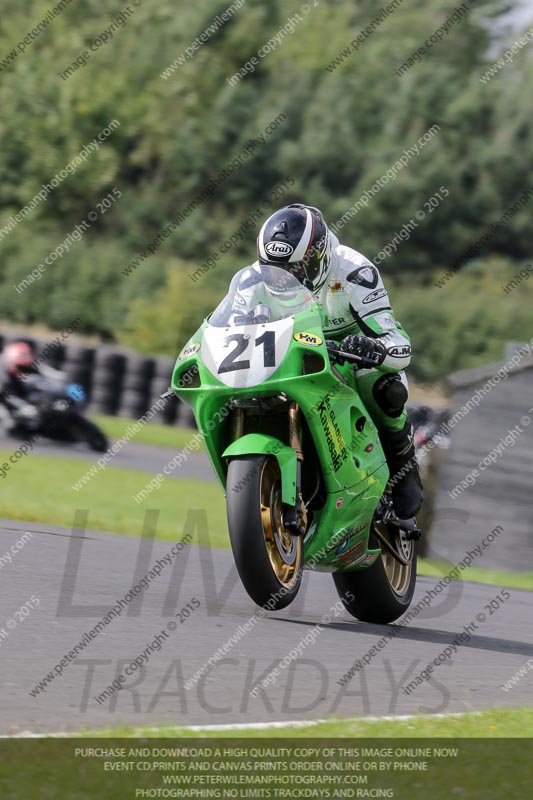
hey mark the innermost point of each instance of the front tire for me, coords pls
(383, 592)
(269, 559)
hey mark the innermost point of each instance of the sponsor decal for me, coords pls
(365, 276)
(337, 321)
(339, 502)
(309, 339)
(362, 526)
(368, 559)
(279, 249)
(336, 287)
(349, 557)
(341, 547)
(359, 528)
(400, 351)
(336, 445)
(353, 556)
(348, 552)
(379, 293)
(189, 351)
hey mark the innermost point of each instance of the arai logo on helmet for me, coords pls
(279, 249)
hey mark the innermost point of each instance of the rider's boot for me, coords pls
(407, 493)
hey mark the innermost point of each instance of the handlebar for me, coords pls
(340, 356)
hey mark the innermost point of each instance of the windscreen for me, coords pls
(261, 294)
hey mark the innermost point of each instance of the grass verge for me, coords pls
(496, 723)
(495, 577)
(151, 433)
(39, 489)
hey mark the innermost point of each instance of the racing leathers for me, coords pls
(19, 411)
(358, 313)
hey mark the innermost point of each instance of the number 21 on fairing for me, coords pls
(267, 340)
(246, 355)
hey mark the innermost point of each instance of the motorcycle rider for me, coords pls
(16, 362)
(358, 314)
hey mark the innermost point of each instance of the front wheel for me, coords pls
(383, 592)
(269, 558)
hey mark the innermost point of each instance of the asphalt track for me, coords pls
(104, 570)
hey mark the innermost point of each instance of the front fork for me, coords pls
(294, 518)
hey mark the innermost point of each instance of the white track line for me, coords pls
(243, 726)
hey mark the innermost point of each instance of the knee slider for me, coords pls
(390, 394)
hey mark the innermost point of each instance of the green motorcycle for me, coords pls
(295, 450)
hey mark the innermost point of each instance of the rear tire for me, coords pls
(86, 431)
(269, 559)
(383, 592)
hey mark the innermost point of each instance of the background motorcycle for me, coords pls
(55, 410)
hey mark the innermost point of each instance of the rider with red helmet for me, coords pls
(16, 362)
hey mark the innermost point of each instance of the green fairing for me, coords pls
(346, 441)
(259, 444)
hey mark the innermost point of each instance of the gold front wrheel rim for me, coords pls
(285, 551)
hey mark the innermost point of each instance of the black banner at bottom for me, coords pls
(127, 769)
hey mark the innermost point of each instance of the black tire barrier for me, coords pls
(136, 387)
(110, 359)
(133, 405)
(164, 368)
(52, 355)
(108, 377)
(78, 366)
(109, 368)
(186, 417)
(138, 374)
(167, 411)
(170, 412)
(116, 381)
(103, 401)
(80, 355)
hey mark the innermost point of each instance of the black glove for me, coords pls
(364, 347)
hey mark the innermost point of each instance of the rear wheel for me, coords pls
(86, 431)
(383, 592)
(269, 558)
